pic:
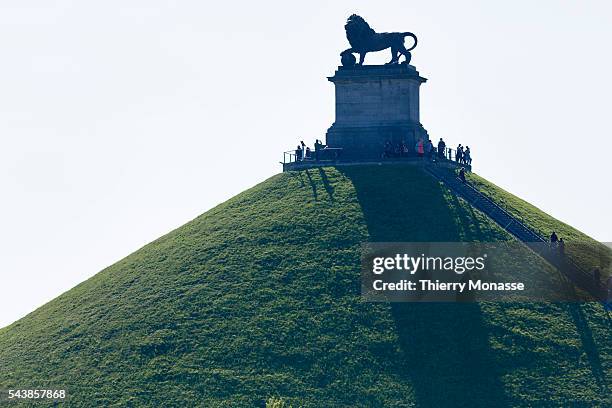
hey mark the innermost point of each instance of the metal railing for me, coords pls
(451, 155)
(327, 154)
(562, 261)
(289, 157)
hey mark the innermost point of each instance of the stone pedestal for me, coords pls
(375, 104)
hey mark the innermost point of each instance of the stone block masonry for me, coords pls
(375, 104)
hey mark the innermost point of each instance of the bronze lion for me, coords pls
(364, 39)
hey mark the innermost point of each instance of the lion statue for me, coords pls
(364, 39)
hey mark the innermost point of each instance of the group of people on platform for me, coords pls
(463, 155)
(395, 150)
(426, 148)
(423, 148)
(303, 152)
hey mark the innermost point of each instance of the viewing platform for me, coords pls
(333, 157)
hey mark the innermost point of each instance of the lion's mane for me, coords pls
(358, 31)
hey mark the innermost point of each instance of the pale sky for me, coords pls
(122, 120)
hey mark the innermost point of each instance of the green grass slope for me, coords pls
(259, 298)
(585, 251)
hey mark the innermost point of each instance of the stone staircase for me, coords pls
(514, 226)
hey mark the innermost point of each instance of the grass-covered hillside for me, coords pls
(259, 298)
(588, 253)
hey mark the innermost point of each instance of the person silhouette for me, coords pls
(298, 153)
(430, 149)
(467, 156)
(441, 148)
(420, 148)
(459, 154)
(553, 238)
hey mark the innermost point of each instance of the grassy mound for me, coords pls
(258, 299)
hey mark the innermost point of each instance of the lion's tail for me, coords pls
(414, 37)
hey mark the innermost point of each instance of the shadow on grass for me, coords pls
(586, 336)
(446, 354)
(328, 187)
(312, 185)
(467, 215)
(588, 344)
